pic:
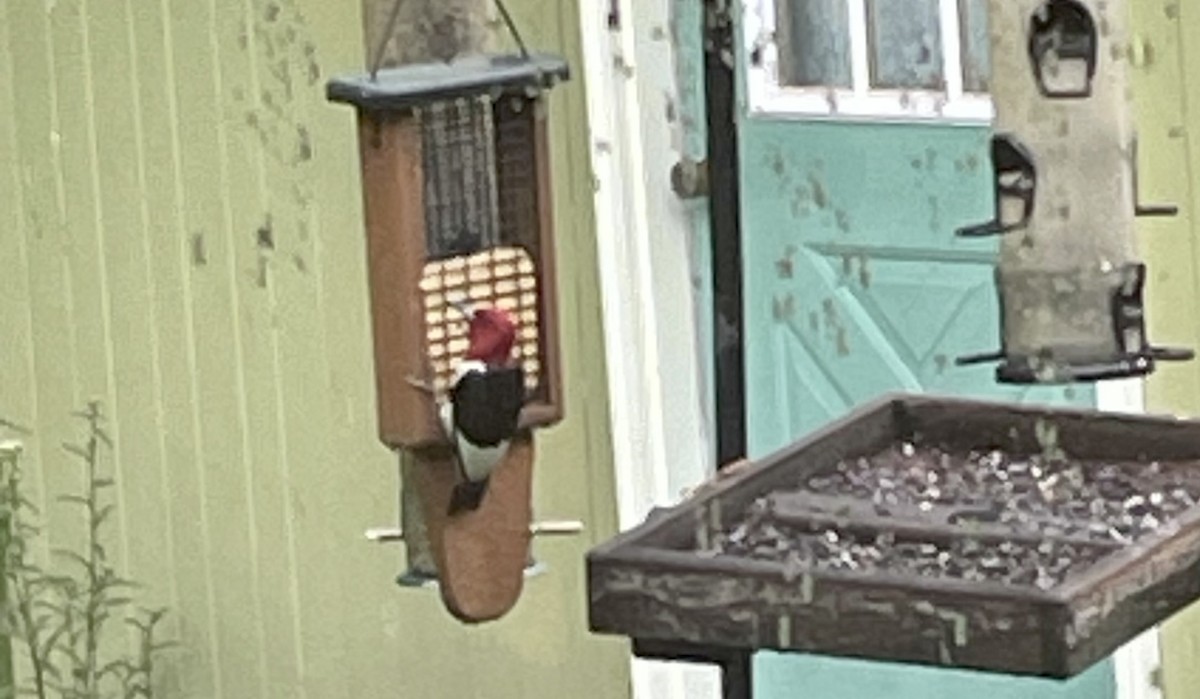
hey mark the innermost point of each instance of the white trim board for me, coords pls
(655, 361)
(1136, 663)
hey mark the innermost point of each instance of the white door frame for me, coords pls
(657, 376)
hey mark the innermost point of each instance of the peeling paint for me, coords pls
(784, 266)
(820, 196)
(842, 219)
(834, 326)
(777, 164)
(784, 626)
(199, 250)
(783, 308)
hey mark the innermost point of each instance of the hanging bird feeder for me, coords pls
(1064, 162)
(461, 272)
(456, 190)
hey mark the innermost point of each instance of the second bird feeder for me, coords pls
(1064, 157)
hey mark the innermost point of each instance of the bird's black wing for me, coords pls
(487, 405)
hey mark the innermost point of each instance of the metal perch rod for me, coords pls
(551, 528)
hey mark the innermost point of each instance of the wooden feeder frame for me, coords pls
(389, 106)
(650, 585)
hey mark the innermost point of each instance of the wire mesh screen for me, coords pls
(458, 149)
(516, 170)
(483, 228)
(502, 277)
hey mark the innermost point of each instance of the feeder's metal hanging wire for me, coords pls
(377, 58)
(512, 29)
(386, 37)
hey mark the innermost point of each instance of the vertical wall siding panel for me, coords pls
(18, 398)
(86, 279)
(131, 317)
(221, 478)
(192, 671)
(330, 518)
(1167, 151)
(46, 244)
(292, 92)
(1168, 100)
(17, 394)
(251, 241)
(269, 123)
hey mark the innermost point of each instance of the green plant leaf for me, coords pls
(73, 556)
(103, 435)
(115, 666)
(102, 514)
(15, 427)
(51, 640)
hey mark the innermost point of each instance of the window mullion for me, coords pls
(952, 70)
(860, 62)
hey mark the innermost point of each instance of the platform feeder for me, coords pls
(982, 535)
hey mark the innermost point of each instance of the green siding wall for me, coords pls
(181, 237)
(1167, 94)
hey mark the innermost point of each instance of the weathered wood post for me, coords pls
(1064, 155)
(422, 30)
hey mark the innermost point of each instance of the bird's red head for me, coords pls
(491, 335)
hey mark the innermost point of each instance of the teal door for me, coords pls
(852, 280)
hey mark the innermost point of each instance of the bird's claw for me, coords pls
(418, 383)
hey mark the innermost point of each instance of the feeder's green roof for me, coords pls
(413, 85)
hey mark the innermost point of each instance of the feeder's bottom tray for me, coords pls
(958, 533)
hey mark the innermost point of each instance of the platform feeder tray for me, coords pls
(957, 533)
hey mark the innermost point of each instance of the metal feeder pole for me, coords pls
(402, 32)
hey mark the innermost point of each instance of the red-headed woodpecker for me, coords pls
(485, 401)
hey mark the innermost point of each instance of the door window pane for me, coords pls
(814, 43)
(906, 44)
(976, 52)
